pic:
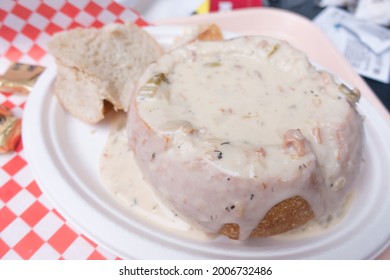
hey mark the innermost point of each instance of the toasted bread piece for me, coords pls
(211, 32)
(207, 32)
(100, 64)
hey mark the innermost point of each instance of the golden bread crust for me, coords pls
(211, 33)
(284, 216)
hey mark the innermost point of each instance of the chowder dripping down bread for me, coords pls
(244, 137)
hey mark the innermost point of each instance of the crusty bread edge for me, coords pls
(287, 215)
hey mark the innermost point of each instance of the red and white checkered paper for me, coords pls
(30, 228)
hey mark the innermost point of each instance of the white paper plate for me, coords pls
(64, 156)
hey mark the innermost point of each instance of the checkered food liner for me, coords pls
(30, 228)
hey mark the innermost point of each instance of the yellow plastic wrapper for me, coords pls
(10, 130)
(20, 78)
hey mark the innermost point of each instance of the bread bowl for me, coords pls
(244, 137)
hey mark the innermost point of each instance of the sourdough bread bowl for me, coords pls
(244, 137)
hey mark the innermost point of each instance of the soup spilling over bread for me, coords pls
(244, 137)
